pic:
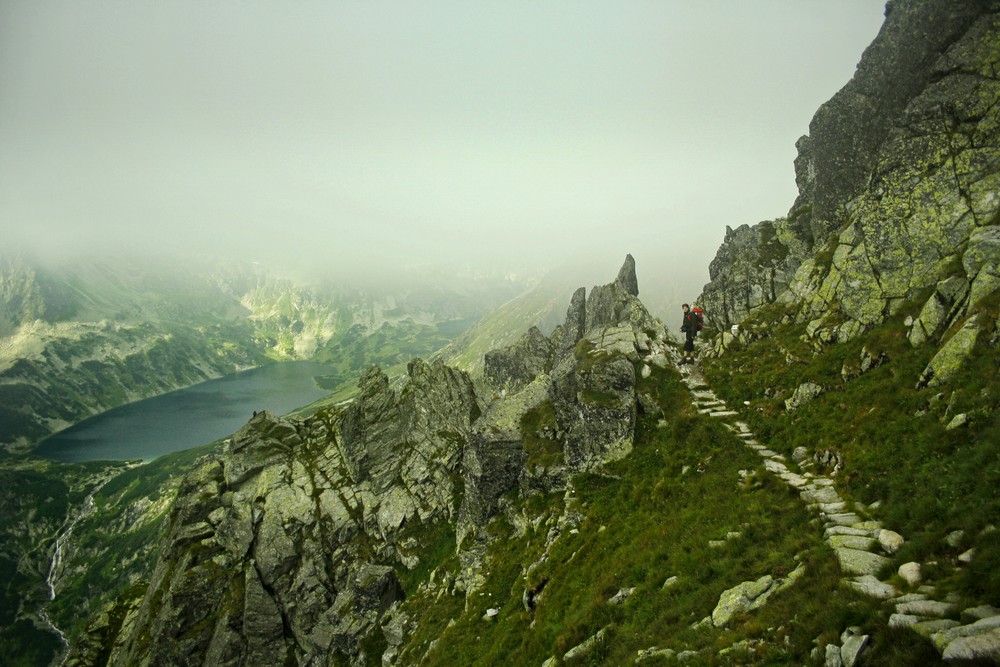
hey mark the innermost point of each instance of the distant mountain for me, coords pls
(90, 336)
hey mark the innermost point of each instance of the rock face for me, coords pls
(266, 559)
(898, 185)
(287, 547)
(514, 367)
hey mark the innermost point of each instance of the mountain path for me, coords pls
(863, 547)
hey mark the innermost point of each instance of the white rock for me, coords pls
(872, 587)
(890, 540)
(902, 620)
(967, 557)
(981, 612)
(852, 648)
(925, 608)
(910, 572)
(857, 561)
(959, 420)
(984, 646)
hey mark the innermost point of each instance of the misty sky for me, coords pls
(331, 133)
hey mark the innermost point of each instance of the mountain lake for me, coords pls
(188, 417)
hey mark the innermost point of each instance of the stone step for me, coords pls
(858, 561)
(813, 496)
(847, 530)
(845, 519)
(851, 541)
(927, 608)
(927, 628)
(872, 587)
(833, 508)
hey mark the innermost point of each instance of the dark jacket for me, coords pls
(690, 324)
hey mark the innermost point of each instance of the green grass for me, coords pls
(893, 438)
(644, 519)
(538, 449)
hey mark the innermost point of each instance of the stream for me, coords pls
(62, 538)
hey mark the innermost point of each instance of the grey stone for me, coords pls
(952, 355)
(910, 572)
(980, 612)
(903, 620)
(856, 561)
(851, 649)
(514, 367)
(581, 650)
(872, 587)
(851, 541)
(929, 628)
(891, 541)
(983, 626)
(654, 653)
(626, 277)
(832, 657)
(621, 596)
(804, 393)
(925, 608)
(742, 598)
(982, 646)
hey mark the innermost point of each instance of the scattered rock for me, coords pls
(890, 540)
(910, 572)
(587, 646)
(621, 596)
(804, 393)
(852, 644)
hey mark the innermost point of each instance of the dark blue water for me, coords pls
(187, 417)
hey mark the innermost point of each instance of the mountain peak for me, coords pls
(626, 276)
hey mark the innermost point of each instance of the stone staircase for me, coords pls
(863, 547)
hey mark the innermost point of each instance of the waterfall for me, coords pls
(62, 539)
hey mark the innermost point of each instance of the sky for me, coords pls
(339, 135)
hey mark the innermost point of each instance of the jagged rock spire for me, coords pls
(626, 276)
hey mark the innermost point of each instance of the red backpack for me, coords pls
(699, 318)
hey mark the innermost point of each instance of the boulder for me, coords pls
(804, 393)
(910, 572)
(742, 598)
(952, 355)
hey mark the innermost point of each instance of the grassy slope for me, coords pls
(893, 437)
(650, 517)
(927, 481)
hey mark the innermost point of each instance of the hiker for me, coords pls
(690, 326)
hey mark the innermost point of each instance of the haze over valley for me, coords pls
(350, 333)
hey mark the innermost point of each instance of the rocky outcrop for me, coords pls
(751, 268)
(285, 547)
(897, 188)
(288, 546)
(514, 367)
(594, 400)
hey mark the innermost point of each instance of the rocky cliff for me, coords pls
(898, 182)
(291, 545)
